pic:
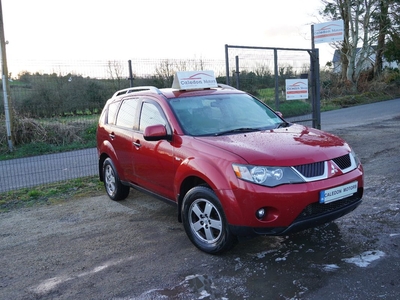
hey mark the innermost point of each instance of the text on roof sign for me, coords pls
(190, 80)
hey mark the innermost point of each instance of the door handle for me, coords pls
(112, 135)
(137, 144)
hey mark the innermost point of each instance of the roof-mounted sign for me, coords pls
(193, 80)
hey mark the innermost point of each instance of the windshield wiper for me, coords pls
(283, 125)
(238, 130)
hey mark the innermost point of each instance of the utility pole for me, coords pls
(6, 85)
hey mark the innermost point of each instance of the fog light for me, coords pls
(260, 213)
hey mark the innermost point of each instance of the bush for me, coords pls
(39, 136)
(51, 95)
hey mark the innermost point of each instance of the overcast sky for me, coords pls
(130, 29)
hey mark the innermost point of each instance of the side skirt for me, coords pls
(157, 196)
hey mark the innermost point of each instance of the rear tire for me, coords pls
(205, 222)
(114, 187)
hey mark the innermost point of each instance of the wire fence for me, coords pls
(56, 105)
(43, 169)
(255, 68)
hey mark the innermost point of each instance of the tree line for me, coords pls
(38, 95)
(371, 32)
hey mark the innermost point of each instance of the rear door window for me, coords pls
(127, 113)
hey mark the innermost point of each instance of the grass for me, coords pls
(266, 94)
(353, 100)
(50, 194)
(289, 108)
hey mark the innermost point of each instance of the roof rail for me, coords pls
(137, 89)
(225, 86)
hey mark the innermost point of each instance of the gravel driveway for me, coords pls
(95, 248)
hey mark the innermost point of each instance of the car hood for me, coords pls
(294, 145)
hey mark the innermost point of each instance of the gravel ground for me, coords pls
(95, 248)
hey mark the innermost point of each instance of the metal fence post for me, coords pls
(227, 64)
(130, 73)
(276, 79)
(237, 72)
(317, 91)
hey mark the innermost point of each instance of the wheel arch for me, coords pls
(203, 172)
(102, 158)
(218, 177)
(188, 183)
(107, 151)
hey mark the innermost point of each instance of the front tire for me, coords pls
(205, 222)
(114, 188)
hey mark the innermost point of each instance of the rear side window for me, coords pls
(127, 112)
(112, 112)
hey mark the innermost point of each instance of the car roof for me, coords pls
(170, 93)
(175, 93)
(185, 84)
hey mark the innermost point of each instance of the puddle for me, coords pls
(275, 267)
(200, 287)
(327, 267)
(365, 259)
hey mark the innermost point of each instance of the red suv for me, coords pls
(231, 165)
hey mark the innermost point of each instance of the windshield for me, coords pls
(223, 114)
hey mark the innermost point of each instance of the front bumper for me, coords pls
(313, 215)
(289, 208)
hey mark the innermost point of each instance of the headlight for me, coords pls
(355, 157)
(268, 176)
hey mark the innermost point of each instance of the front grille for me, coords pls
(311, 170)
(343, 162)
(317, 169)
(315, 209)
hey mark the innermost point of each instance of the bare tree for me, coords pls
(189, 64)
(181, 65)
(198, 64)
(166, 69)
(115, 71)
(262, 70)
(165, 72)
(359, 39)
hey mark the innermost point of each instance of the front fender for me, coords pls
(220, 177)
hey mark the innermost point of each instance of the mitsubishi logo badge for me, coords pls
(333, 169)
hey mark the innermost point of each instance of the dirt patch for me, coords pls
(94, 248)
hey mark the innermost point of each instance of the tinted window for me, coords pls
(127, 112)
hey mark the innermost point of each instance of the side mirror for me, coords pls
(155, 133)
